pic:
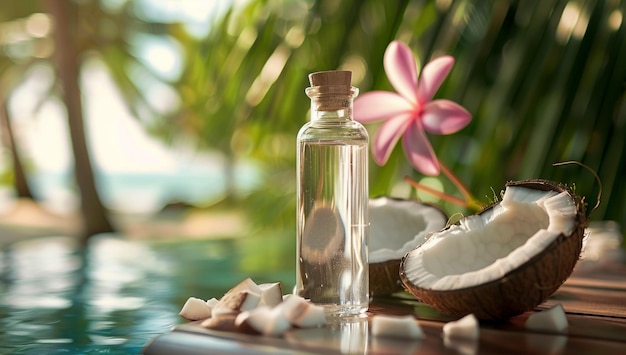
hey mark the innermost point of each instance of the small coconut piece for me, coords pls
(396, 227)
(396, 327)
(503, 261)
(246, 285)
(264, 320)
(236, 302)
(213, 302)
(464, 328)
(301, 312)
(195, 309)
(224, 322)
(271, 294)
(288, 295)
(242, 325)
(553, 319)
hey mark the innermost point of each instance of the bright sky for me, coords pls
(196, 15)
(117, 141)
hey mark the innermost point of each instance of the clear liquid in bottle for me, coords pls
(332, 216)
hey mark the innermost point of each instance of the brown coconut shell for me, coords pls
(523, 288)
(384, 277)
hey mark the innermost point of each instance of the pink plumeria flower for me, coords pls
(411, 112)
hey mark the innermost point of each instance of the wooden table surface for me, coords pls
(594, 300)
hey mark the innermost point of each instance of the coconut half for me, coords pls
(396, 227)
(503, 261)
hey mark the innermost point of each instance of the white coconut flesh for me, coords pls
(487, 246)
(398, 226)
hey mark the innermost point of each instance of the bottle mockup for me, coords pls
(332, 199)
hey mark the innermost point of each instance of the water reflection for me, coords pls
(546, 344)
(461, 346)
(349, 334)
(111, 297)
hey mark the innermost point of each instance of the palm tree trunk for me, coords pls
(94, 216)
(20, 182)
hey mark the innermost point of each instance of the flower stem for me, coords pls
(459, 185)
(436, 193)
(468, 200)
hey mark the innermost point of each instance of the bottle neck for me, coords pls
(331, 103)
(336, 114)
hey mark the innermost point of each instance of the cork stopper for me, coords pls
(331, 89)
(331, 78)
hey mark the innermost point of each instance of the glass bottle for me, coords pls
(332, 199)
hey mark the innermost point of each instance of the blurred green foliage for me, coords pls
(544, 79)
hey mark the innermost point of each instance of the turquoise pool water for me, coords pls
(116, 295)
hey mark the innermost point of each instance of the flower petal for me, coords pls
(432, 76)
(401, 70)
(444, 117)
(379, 105)
(418, 149)
(388, 136)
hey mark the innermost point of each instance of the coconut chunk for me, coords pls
(242, 325)
(465, 328)
(213, 302)
(396, 327)
(195, 309)
(271, 294)
(264, 320)
(245, 285)
(553, 319)
(301, 312)
(224, 322)
(235, 302)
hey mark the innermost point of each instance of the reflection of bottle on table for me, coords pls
(332, 206)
